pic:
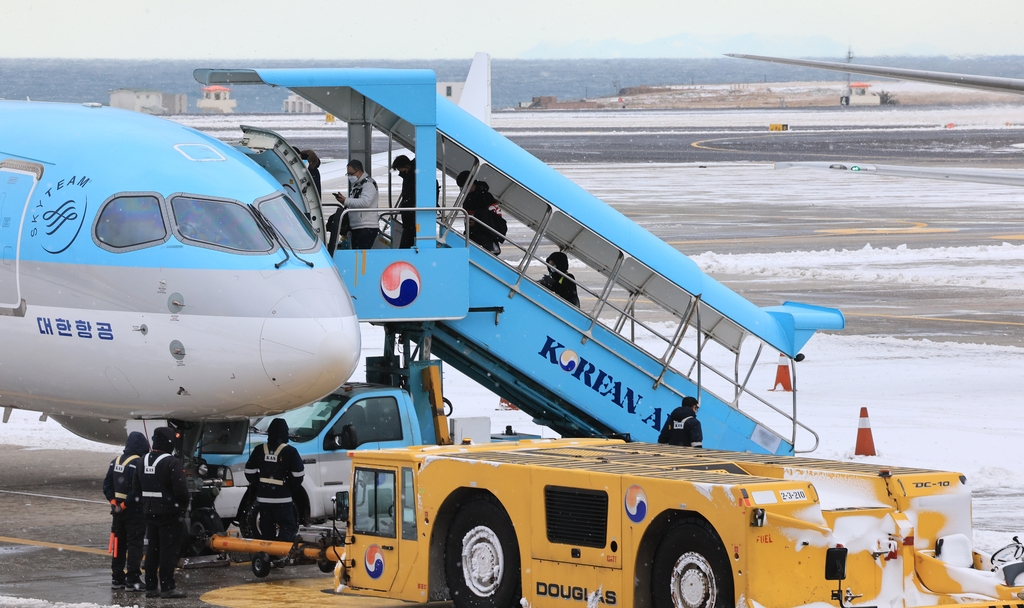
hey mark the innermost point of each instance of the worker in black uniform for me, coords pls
(275, 469)
(682, 426)
(160, 479)
(128, 530)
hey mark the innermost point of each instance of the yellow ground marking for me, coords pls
(942, 319)
(1009, 237)
(913, 228)
(40, 543)
(301, 592)
(702, 146)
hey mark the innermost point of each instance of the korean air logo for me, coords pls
(568, 360)
(374, 561)
(400, 284)
(636, 504)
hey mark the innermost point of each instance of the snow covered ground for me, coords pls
(997, 266)
(929, 117)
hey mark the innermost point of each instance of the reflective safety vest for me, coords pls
(153, 490)
(275, 475)
(123, 481)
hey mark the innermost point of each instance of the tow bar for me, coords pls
(324, 552)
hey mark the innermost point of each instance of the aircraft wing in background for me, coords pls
(1003, 178)
(968, 81)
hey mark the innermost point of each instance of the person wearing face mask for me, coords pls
(562, 282)
(682, 426)
(362, 194)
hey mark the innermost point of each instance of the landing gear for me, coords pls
(204, 524)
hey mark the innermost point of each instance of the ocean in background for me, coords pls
(512, 80)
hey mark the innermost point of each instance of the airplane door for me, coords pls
(17, 181)
(276, 155)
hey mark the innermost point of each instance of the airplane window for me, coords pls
(286, 219)
(223, 224)
(129, 221)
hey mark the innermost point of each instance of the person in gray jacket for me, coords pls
(362, 194)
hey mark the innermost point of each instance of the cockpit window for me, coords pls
(130, 221)
(218, 223)
(286, 219)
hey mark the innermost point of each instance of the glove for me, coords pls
(115, 508)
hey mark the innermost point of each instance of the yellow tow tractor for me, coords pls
(592, 522)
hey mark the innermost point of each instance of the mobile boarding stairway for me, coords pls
(651, 327)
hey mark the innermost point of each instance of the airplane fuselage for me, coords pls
(141, 274)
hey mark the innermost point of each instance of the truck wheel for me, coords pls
(482, 557)
(691, 569)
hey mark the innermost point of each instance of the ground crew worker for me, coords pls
(682, 426)
(128, 529)
(160, 479)
(275, 469)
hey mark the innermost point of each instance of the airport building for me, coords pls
(299, 105)
(149, 101)
(217, 99)
(858, 95)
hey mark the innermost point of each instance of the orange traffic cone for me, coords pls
(782, 376)
(865, 443)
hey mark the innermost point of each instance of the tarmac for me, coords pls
(55, 527)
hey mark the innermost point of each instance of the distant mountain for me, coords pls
(682, 46)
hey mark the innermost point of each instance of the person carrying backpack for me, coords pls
(485, 210)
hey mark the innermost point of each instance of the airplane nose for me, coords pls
(310, 344)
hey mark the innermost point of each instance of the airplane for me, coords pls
(996, 84)
(149, 271)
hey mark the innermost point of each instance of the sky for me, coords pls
(453, 29)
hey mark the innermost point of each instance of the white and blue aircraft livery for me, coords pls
(151, 271)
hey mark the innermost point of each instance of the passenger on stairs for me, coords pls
(407, 199)
(481, 205)
(362, 194)
(560, 280)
